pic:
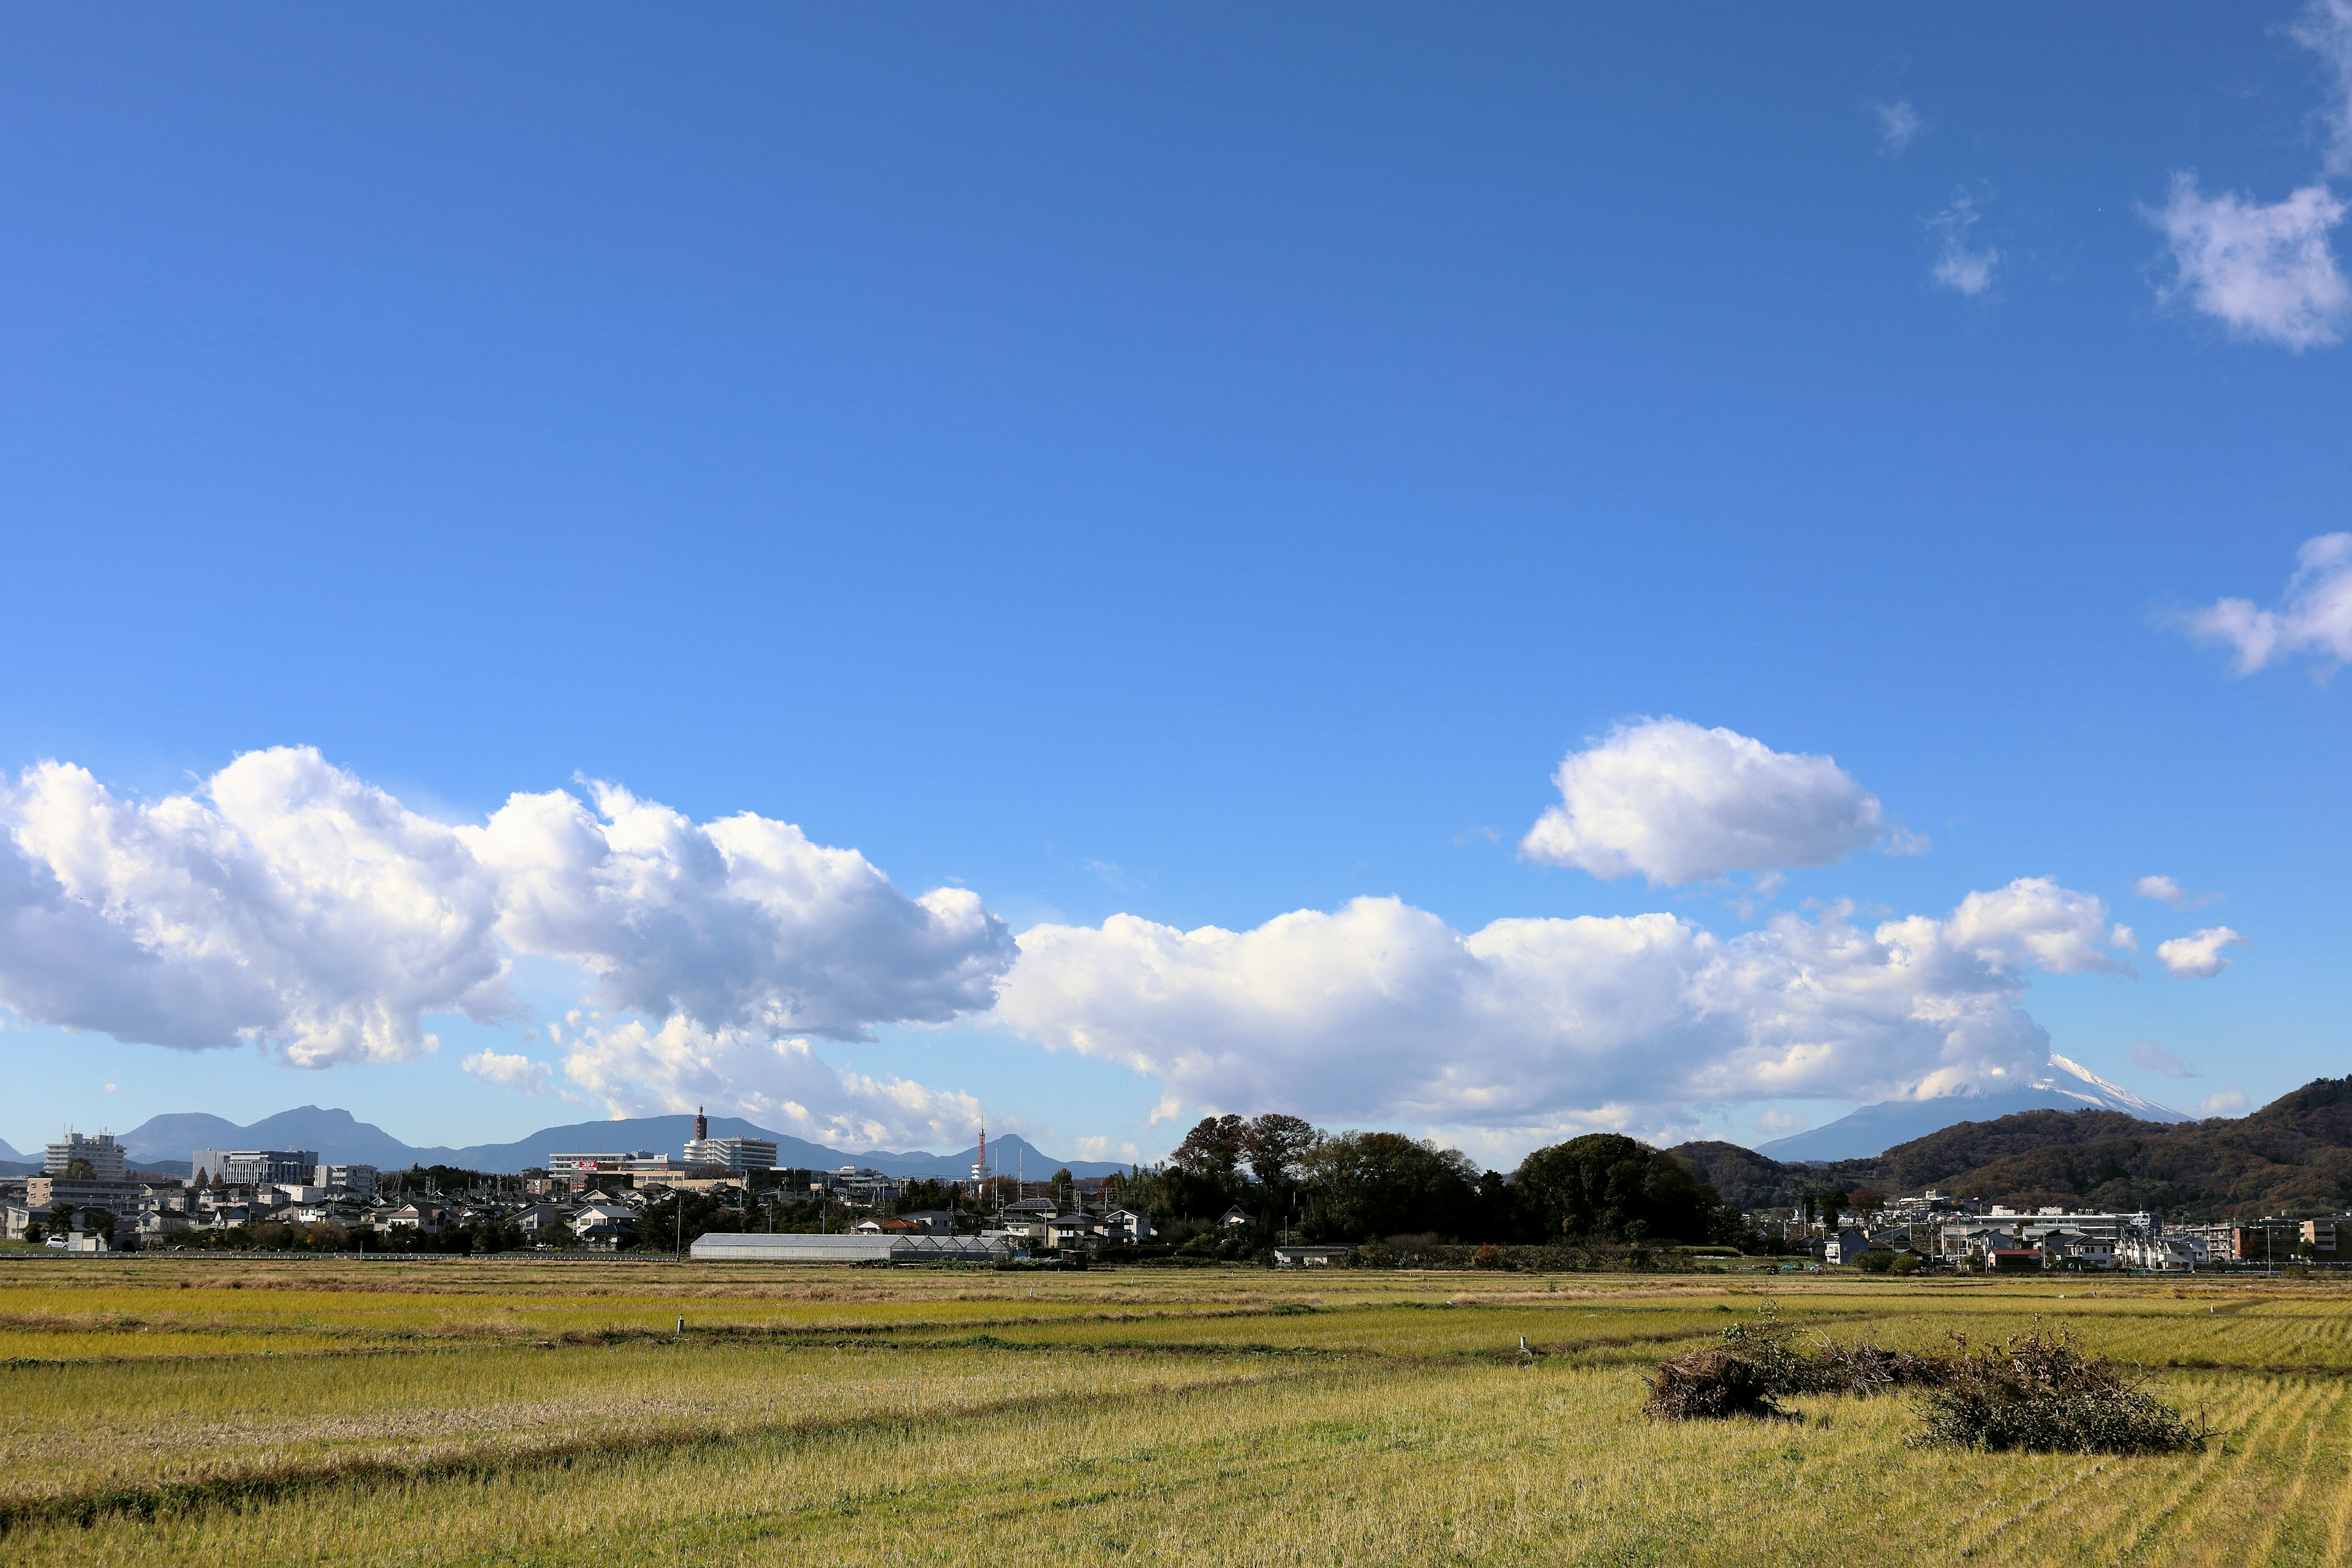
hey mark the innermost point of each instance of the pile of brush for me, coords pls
(2038, 1391)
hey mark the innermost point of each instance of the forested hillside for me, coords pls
(2294, 1155)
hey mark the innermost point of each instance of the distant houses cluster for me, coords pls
(1932, 1231)
(88, 1199)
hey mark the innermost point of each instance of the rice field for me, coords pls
(526, 1413)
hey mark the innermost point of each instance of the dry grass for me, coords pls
(1210, 1418)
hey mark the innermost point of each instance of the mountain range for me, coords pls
(2293, 1156)
(2063, 1084)
(164, 1143)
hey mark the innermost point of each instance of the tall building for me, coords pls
(103, 1153)
(253, 1167)
(727, 1153)
(732, 1153)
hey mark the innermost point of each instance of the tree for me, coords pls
(1865, 1200)
(1214, 1148)
(1277, 1147)
(1364, 1184)
(1611, 1187)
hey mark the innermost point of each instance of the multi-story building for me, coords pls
(253, 1167)
(44, 1192)
(103, 1154)
(732, 1153)
(359, 1179)
(622, 1162)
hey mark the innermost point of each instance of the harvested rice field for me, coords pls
(165, 1410)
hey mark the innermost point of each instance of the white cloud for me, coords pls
(2165, 890)
(2266, 272)
(2325, 28)
(2150, 1057)
(2315, 615)
(737, 924)
(2199, 957)
(2035, 924)
(515, 1071)
(1379, 1011)
(638, 1069)
(1959, 265)
(1679, 804)
(285, 902)
(1898, 126)
(2223, 1103)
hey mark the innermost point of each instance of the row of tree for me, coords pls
(1318, 1185)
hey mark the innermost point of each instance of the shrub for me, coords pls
(1487, 1256)
(1877, 1260)
(1712, 1383)
(2040, 1392)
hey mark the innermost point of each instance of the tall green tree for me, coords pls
(1361, 1185)
(1612, 1188)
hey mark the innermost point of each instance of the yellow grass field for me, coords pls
(164, 1411)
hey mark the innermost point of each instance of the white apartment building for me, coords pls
(732, 1153)
(103, 1153)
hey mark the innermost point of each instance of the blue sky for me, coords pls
(1191, 467)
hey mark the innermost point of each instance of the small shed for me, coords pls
(1312, 1257)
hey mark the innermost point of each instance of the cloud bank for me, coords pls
(2313, 617)
(284, 902)
(1379, 1009)
(1677, 804)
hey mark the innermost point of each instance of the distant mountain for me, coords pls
(165, 1143)
(2064, 1086)
(2293, 1156)
(8, 1153)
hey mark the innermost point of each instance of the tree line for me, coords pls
(1291, 1176)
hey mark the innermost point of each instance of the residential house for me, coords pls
(1237, 1215)
(1845, 1247)
(1127, 1225)
(603, 1224)
(1069, 1232)
(423, 1218)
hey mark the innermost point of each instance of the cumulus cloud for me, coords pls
(1960, 264)
(2199, 957)
(1898, 126)
(285, 902)
(510, 1070)
(1678, 804)
(1380, 1010)
(2223, 1103)
(2165, 890)
(2035, 924)
(2313, 617)
(737, 924)
(641, 1069)
(2266, 272)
